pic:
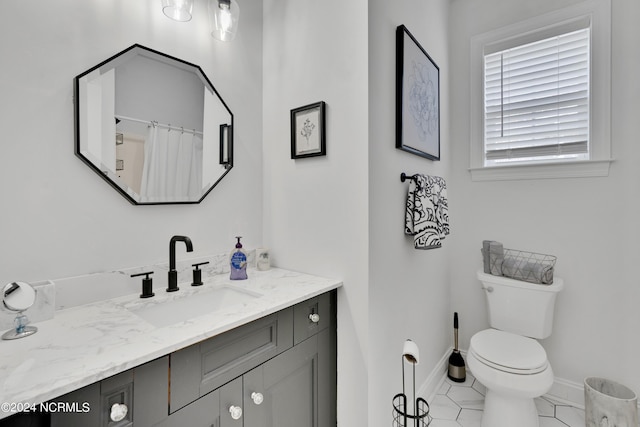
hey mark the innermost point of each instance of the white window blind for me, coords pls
(536, 99)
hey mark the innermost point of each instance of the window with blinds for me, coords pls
(536, 99)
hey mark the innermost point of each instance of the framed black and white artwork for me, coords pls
(417, 98)
(307, 131)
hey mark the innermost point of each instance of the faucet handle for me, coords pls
(197, 274)
(147, 284)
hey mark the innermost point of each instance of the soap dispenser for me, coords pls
(238, 259)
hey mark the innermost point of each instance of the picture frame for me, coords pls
(308, 131)
(417, 98)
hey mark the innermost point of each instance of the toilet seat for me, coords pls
(509, 352)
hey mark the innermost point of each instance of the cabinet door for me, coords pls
(198, 369)
(151, 392)
(231, 405)
(143, 390)
(312, 316)
(211, 410)
(327, 378)
(288, 386)
(89, 395)
(204, 412)
(117, 389)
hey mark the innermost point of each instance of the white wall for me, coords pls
(408, 288)
(339, 215)
(590, 224)
(58, 217)
(342, 214)
(316, 209)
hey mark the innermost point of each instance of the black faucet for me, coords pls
(173, 274)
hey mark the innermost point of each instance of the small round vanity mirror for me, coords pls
(18, 297)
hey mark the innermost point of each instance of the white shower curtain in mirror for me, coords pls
(172, 169)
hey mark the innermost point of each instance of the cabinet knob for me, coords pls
(118, 412)
(257, 398)
(314, 317)
(236, 412)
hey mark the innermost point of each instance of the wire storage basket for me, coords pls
(402, 417)
(528, 266)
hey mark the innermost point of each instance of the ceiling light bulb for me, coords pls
(223, 19)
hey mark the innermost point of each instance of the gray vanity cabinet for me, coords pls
(276, 371)
(211, 410)
(142, 390)
(204, 412)
(284, 367)
(311, 316)
(219, 408)
(298, 387)
(231, 406)
(292, 390)
(201, 368)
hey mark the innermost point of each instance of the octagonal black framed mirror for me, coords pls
(153, 126)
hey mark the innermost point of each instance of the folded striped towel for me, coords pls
(427, 213)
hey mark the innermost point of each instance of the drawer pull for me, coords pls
(236, 412)
(314, 317)
(118, 412)
(257, 398)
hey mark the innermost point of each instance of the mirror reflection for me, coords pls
(152, 126)
(18, 297)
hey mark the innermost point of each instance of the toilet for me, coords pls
(507, 359)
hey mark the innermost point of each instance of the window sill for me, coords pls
(579, 169)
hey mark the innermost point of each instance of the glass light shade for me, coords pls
(223, 18)
(178, 10)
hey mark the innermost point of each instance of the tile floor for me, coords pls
(460, 405)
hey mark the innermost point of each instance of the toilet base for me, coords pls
(508, 411)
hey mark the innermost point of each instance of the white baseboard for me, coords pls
(435, 379)
(562, 391)
(569, 392)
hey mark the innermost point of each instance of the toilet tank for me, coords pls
(519, 307)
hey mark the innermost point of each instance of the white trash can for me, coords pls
(609, 404)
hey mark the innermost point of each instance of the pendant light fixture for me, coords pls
(223, 18)
(178, 10)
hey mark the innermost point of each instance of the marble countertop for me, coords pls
(90, 342)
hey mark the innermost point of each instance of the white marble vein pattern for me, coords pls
(85, 289)
(86, 343)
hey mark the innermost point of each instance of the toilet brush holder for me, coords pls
(418, 415)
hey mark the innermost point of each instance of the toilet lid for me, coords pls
(509, 352)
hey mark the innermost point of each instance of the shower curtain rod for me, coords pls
(162, 125)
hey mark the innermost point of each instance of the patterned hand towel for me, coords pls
(427, 214)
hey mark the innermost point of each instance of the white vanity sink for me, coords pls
(186, 305)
